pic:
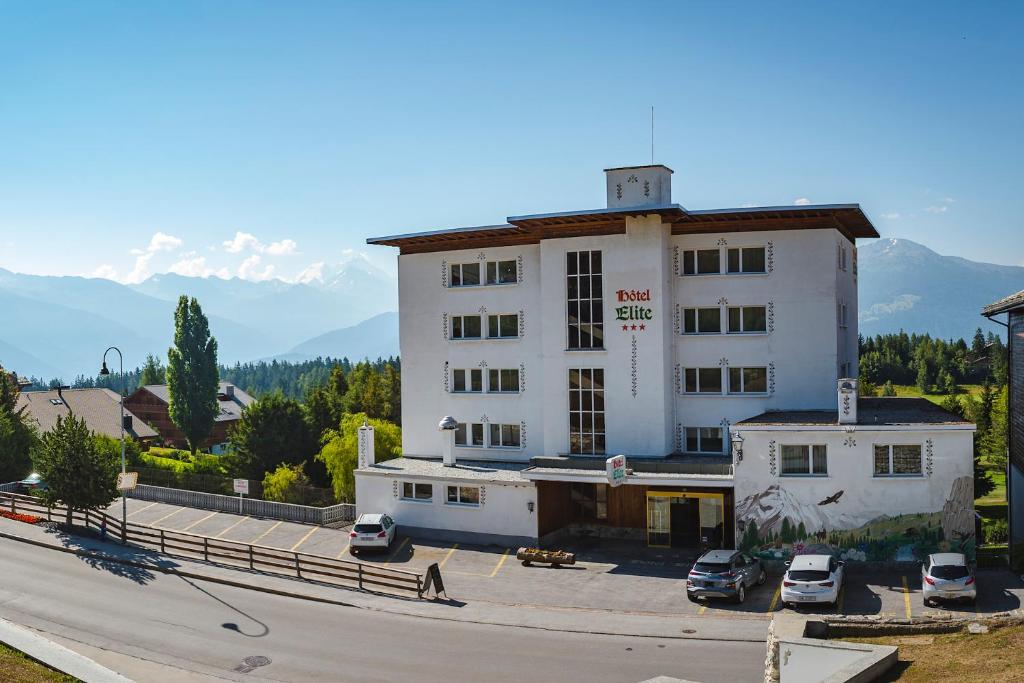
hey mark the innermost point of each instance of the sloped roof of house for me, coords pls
(230, 406)
(100, 408)
(871, 411)
(1007, 303)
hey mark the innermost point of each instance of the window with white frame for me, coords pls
(586, 411)
(492, 272)
(747, 319)
(463, 495)
(417, 491)
(584, 300)
(748, 380)
(469, 435)
(702, 320)
(503, 326)
(702, 381)
(746, 260)
(502, 381)
(468, 381)
(841, 256)
(704, 440)
(702, 261)
(841, 313)
(504, 436)
(466, 327)
(897, 460)
(801, 460)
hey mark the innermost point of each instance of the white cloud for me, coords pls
(105, 271)
(163, 242)
(312, 272)
(891, 216)
(903, 302)
(195, 266)
(244, 241)
(802, 201)
(281, 248)
(249, 270)
(141, 269)
(936, 209)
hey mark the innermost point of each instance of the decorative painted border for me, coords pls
(522, 323)
(444, 326)
(444, 273)
(771, 317)
(447, 384)
(723, 362)
(770, 248)
(928, 456)
(481, 256)
(520, 269)
(677, 325)
(771, 377)
(485, 419)
(483, 495)
(679, 437)
(850, 441)
(723, 301)
(679, 378)
(633, 366)
(394, 487)
(771, 459)
(522, 434)
(522, 378)
(675, 259)
(722, 242)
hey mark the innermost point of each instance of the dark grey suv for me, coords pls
(724, 574)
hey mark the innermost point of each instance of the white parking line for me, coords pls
(198, 521)
(146, 507)
(166, 517)
(253, 541)
(232, 526)
(304, 538)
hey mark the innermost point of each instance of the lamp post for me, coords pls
(124, 499)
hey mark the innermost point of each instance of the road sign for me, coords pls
(242, 486)
(126, 481)
(615, 468)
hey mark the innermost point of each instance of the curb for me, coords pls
(55, 655)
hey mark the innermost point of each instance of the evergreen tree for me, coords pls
(192, 380)
(77, 473)
(17, 434)
(153, 372)
(888, 389)
(272, 431)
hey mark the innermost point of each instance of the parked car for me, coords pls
(372, 531)
(947, 576)
(724, 574)
(812, 579)
(32, 482)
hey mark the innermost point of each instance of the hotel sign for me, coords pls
(634, 311)
(615, 468)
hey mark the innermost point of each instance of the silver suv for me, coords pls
(724, 574)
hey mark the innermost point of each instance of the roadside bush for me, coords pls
(995, 531)
(285, 483)
(169, 464)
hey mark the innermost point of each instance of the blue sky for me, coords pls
(141, 137)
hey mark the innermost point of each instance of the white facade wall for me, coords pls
(503, 516)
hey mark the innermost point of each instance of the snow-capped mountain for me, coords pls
(769, 507)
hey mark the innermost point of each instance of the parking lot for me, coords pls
(605, 577)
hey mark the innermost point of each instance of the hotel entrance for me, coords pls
(686, 519)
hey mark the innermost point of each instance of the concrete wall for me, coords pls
(863, 517)
(502, 517)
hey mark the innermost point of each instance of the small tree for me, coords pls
(272, 431)
(285, 483)
(192, 380)
(153, 371)
(77, 473)
(340, 450)
(888, 389)
(17, 434)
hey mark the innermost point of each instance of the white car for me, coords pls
(372, 531)
(946, 576)
(812, 579)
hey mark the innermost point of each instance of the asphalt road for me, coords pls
(151, 625)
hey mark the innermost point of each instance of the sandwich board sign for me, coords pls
(242, 486)
(615, 468)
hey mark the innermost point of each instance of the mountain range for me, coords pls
(54, 326)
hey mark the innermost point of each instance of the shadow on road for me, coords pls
(262, 629)
(82, 539)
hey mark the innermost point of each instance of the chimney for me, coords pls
(367, 447)
(638, 186)
(847, 401)
(229, 390)
(447, 427)
(127, 423)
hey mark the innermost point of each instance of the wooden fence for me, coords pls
(232, 553)
(289, 512)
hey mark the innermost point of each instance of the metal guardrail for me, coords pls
(289, 512)
(234, 554)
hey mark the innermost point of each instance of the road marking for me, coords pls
(906, 596)
(504, 556)
(303, 539)
(775, 598)
(232, 526)
(145, 507)
(253, 542)
(396, 551)
(166, 517)
(451, 551)
(195, 523)
(344, 550)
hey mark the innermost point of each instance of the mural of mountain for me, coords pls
(905, 285)
(771, 506)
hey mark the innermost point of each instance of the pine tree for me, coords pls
(192, 379)
(17, 433)
(77, 473)
(153, 372)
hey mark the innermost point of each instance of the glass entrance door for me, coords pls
(702, 513)
(659, 526)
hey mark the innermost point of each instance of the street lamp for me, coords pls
(124, 500)
(737, 446)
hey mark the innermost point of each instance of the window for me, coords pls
(586, 411)
(806, 460)
(897, 460)
(504, 436)
(747, 319)
(844, 370)
(465, 274)
(468, 381)
(501, 272)
(746, 260)
(704, 440)
(504, 326)
(589, 501)
(497, 273)
(748, 380)
(702, 321)
(503, 381)
(841, 313)
(702, 261)
(469, 436)
(585, 300)
(463, 495)
(416, 491)
(703, 381)
(841, 257)
(466, 327)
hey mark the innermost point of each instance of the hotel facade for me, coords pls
(713, 349)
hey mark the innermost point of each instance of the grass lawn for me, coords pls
(998, 494)
(911, 390)
(15, 667)
(994, 656)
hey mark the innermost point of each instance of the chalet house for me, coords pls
(152, 404)
(100, 408)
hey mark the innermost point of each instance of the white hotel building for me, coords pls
(705, 346)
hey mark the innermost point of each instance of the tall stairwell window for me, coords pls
(585, 300)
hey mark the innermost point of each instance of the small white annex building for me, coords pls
(685, 341)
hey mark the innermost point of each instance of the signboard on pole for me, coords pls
(126, 481)
(242, 486)
(615, 468)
